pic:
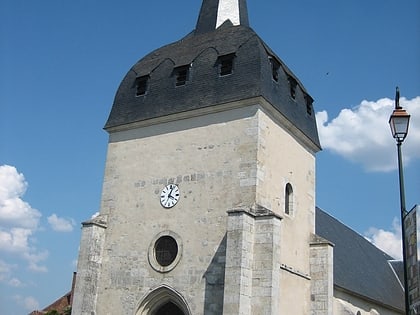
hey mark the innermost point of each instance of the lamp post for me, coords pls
(399, 122)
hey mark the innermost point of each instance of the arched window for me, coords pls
(288, 203)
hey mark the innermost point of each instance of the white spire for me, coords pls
(214, 13)
(228, 10)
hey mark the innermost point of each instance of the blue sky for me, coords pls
(61, 63)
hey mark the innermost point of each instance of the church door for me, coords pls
(169, 309)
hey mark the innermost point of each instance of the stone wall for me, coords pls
(89, 266)
(252, 263)
(235, 156)
(322, 281)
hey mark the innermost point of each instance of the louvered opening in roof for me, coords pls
(225, 63)
(181, 75)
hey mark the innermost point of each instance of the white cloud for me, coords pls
(6, 275)
(18, 220)
(362, 134)
(12, 183)
(15, 282)
(61, 224)
(5, 271)
(14, 240)
(29, 302)
(34, 259)
(388, 241)
(13, 210)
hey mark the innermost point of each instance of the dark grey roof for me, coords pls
(251, 77)
(208, 15)
(359, 266)
(398, 267)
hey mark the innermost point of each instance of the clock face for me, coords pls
(169, 196)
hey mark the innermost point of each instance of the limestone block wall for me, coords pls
(239, 264)
(266, 266)
(236, 156)
(212, 159)
(252, 263)
(322, 282)
(89, 267)
(283, 158)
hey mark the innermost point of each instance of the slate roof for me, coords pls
(251, 77)
(359, 266)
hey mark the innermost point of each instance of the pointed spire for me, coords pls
(214, 13)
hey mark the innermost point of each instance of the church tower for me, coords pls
(209, 191)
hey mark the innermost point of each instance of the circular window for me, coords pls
(165, 251)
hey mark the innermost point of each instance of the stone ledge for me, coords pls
(255, 212)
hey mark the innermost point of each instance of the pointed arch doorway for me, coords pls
(163, 301)
(169, 309)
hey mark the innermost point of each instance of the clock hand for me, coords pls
(170, 193)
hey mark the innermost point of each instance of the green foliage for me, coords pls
(67, 311)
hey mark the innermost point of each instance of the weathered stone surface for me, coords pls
(239, 158)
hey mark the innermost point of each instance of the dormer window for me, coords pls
(293, 86)
(309, 102)
(182, 75)
(226, 64)
(142, 84)
(275, 66)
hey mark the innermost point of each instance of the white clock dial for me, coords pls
(169, 196)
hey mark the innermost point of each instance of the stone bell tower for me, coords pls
(209, 192)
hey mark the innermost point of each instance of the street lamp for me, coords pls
(399, 122)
